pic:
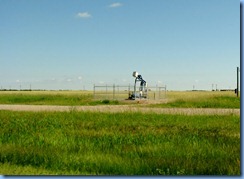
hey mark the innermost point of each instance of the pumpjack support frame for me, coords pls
(142, 89)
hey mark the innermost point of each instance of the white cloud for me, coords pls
(116, 4)
(84, 15)
(80, 78)
(18, 81)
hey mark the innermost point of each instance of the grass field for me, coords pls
(86, 143)
(46, 97)
(128, 143)
(190, 99)
(196, 99)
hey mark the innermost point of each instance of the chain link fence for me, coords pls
(122, 92)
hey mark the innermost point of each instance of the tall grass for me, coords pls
(175, 99)
(211, 102)
(118, 144)
(195, 99)
(51, 98)
(45, 97)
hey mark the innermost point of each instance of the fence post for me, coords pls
(94, 91)
(113, 91)
(129, 91)
(159, 91)
(165, 89)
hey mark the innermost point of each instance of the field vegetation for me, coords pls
(189, 99)
(196, 99)
(128, 143)
(90, 143)
(69, 98)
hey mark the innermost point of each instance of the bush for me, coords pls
(106, 101)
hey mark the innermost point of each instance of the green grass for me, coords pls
(209, 102)
(85, 143)
(72, 98)
(52, 98)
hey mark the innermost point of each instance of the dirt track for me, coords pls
(123, 108)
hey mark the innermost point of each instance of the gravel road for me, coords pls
(122, 108)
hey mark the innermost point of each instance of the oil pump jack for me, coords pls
(142, 89)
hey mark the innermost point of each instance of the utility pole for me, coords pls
(237, 84)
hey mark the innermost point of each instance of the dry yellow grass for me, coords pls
(75, 92)
(124, 108)
(191, 95)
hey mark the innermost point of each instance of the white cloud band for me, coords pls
(83, 15)
(114, 5)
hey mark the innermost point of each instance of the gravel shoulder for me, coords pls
(121, 109)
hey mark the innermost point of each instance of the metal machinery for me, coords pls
(142, 89)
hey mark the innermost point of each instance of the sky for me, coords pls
(74, 44)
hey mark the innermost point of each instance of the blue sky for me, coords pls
(73, 44)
